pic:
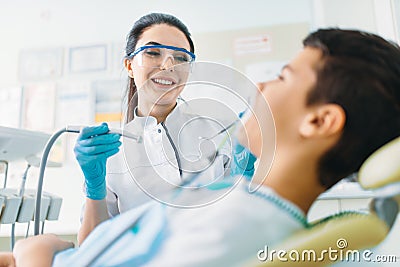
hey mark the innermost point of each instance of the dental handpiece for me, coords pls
(124, 133)
(221, 131)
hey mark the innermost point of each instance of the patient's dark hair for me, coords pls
(361, 73)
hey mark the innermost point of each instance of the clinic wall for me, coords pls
(45, 23)
(357, 14)
(376, 16)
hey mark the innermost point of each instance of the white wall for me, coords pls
(44, 23)
(376, 16)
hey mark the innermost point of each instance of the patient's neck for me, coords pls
(295, 180)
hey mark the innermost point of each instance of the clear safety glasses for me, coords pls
(156, 56)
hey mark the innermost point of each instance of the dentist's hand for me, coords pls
(242, 161)
(92, 149)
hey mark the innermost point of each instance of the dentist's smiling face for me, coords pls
(159, 85)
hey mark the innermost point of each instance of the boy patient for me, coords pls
(333, 104)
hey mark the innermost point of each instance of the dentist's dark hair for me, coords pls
(140, 26)
(360, 72)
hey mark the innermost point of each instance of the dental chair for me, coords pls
(350, 231)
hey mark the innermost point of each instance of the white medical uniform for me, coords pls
(228, 232)
(151, 169)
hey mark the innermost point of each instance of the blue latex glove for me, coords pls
(242, 161)
(92, 149)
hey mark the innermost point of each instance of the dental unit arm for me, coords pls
(46, 151)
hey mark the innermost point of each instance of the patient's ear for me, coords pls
(323, 121)
(128, 67)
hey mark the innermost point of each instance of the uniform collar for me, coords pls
(150, 121)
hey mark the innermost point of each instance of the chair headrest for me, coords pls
(382, 167)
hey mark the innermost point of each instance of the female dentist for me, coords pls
(159, 50)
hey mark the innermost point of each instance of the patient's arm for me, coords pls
(38, 251)
(7, 259)
(95, 212)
